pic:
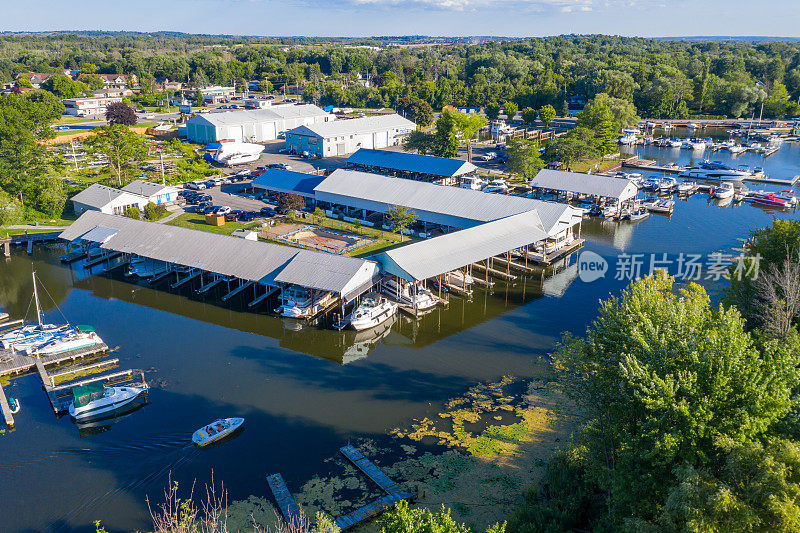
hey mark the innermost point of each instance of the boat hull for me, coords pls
(202, 437)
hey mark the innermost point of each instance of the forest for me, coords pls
(662, 78)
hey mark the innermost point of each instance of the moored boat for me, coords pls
(724, 190)
(372, 311)
(407, 294)
(95, 399)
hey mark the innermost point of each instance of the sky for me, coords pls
(512, 18)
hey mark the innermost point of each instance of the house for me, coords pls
(259, 125)
(346, 136)
(107, 200)
(119, 81)
(154, 192)
(166, 85)
(112, 93)
(85, 107)
(38, 78)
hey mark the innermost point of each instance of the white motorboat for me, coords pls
(372, 311)
(216, 431)
(73, 340)
(714, 171)
(459, 279)
(667, 185)
(737, 149)
(496, 186)
(301, 302)
(95, 400)
(674, 143)
(472, 182)
(650, 184)
(659, 205)
(686, 188)
(627, 139)
(724, 190)
(698, 146)
(634, 215)
(238, 153)
(407, 294)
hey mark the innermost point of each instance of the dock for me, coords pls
(289, 509)
(394, 494)
(6, 408)
(493, 272)
(14, 363)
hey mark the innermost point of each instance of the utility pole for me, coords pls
(161, 157)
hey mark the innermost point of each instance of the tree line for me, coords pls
(662, 79)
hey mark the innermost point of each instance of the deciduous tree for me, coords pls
(124, 149)
(120, 113)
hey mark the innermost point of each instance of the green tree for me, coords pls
(777, 103)
(564, 109)
(11, 210)
(265, 86)
(124, 149)
(49, 196)
(197, 98)
(492, 111)
(511, 110)
(399, 219)
(446, 142)
(155, 211)
(134, 213)
(92, 81)
(420, 142)
(403, 519)
(23, 81)
(63, 86)
(523, 158)
(576, 146)
(663, 377)
(529, 115)
(547, 114)
(290, 202)
(468, 125)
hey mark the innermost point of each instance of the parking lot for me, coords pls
(272, 155)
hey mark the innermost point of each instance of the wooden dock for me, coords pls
(12, 363)
(288, 507)
(774, 181)
(369, 469)
(6, 408)
(493, 272)
(370, 510)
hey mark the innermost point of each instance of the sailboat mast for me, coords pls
(36, 298)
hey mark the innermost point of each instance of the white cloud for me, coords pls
(564, 6)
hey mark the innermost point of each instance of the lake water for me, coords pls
(304, 391)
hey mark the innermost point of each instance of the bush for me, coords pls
(155, 211)
(133, 212)
(49, 196)
(11, 211)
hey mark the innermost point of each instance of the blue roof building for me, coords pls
(285, 181)
(416, 167)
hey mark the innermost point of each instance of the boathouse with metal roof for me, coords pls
(574, 184)
(439, 170)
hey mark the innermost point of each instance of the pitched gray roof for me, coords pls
(270, 114)
(146, 188)
(454, 201)
(431, 257)
(327, 272)
(248, 260)
(426, 164)
(591, 184)
(96, 195)
(354, 126)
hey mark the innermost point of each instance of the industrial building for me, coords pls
(344, 137)
(439, 170)
(255, 126)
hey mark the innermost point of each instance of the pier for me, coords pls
(6, 408)
(292, 513)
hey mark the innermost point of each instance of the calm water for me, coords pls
(304, 391)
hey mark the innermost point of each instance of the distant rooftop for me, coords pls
(355, 126)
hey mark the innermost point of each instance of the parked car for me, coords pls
(488, 157)
(242, 173)
(247, 216)
(267, 212)
(233, 215)
(285, 151)
(207, 210)
(222, 210)
(196, 185)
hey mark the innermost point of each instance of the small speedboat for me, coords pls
(496, 186)
(659, 205)
(639, 213)
(686, 188)
(724, 190)
(770, 199)
(216, 431)
(13, 403)
(667, 185)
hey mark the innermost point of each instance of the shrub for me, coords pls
(133, 212)
(155, 211)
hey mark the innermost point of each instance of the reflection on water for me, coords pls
(304, 389)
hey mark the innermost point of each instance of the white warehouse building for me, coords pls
(254, 126)
(346, 136)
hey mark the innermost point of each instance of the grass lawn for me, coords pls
(595, 165)
(198, 221)
(69, 119)
(5, 231)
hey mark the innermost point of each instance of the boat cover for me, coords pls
(86, 393)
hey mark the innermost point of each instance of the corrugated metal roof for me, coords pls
(453, 201)
(248, 260)
(325, 272)
(287, 181)
(432, 257)
(354, 126)
(249, 116)
(591, 184)
(147, 188)
(96, 195)
(426, 164)
(99, 234)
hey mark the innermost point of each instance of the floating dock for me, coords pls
(6, 408)
(369, 469)
(12, 363)
(289, 509)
